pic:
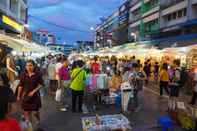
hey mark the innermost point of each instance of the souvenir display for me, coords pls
(105, 123)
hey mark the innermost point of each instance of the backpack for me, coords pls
(173, 78)
(138, 84)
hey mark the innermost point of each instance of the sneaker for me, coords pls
(66, 106)
(63, 109)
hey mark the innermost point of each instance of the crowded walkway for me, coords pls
(53, 92)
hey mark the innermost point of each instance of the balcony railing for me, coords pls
(147, 7)
(133, 2)
(134, 18)
(151, 29)
(165, 4)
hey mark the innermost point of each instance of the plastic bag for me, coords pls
(26, 126)
(58, 95)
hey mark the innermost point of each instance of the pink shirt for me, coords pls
(64, 73)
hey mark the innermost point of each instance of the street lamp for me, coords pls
(92, 28)
(134, 35)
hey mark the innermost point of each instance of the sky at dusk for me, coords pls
(69, 20)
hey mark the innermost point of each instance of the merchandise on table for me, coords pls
(109, 100)
(107, 122)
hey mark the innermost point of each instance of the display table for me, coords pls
(106, 123)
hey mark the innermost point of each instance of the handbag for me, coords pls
(27, 99)
(58, 95)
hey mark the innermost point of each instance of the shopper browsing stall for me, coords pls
(174, 84)
(164, 79)
(137, 78)
(78, 78)
(64, 80)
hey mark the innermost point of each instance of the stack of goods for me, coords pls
(185, 117)
(107, 122)
(186, 121)
(110, 99)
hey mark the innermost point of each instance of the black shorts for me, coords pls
(53, 84)
(174, 90)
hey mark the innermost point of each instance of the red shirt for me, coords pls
(95, 68)
(9, 124)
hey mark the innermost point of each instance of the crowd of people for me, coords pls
(66, 81)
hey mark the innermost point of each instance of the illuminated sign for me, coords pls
(12, 23)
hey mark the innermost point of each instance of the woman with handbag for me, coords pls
(64, 81)
(78, 78)
(28, 91)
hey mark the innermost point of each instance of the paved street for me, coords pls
(144, 120)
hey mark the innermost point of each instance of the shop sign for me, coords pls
(12, 23)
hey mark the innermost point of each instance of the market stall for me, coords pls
(23, 48)
(191, 57)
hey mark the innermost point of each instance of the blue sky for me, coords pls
(76, 15)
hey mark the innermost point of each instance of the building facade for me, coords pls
(159, 21)
(113, 31)
(156, 21)
(66, 49)
(13, 15)
(85, 46)
(43, 37)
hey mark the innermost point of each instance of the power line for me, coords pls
(59, 26)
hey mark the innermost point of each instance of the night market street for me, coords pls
(98, 65)
(145, 120)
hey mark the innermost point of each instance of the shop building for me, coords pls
(85, 45)
(178, 20)
(43, 37)
(13, 15)
(64, 48)
(162, 21)
(152, 21)
(143, 19)
(114, 29)
(106, 34)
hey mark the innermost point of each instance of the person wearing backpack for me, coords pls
(137, 79)
(174, 84)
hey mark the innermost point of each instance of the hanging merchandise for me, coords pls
(101, 81)
(91, 83)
